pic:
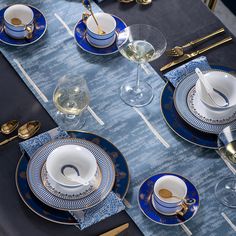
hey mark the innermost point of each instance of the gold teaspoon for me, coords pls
(25, 131)
(89, 8)
(9, 126)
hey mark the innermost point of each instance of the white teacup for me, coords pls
(178, 188)
(107, 24)
(72, 166)
(19, 21)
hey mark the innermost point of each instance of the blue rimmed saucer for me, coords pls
(80, 38)
(34, 171)
(120, 187)
(40, 29)
(179, 126)
(145, 202)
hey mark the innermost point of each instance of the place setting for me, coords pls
(195, 96)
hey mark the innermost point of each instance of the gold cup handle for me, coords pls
(184, 209)
(29, 29)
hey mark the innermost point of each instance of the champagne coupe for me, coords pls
(140, 44)
(225, 190)
(71, 98)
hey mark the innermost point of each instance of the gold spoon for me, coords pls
(165, 193)
(88, 6)
(9, 127)
(126, 1)
(26, 131)
(144, 2)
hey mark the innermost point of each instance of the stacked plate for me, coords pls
(69, 175)
(191, 116)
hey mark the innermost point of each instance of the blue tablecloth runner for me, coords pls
(56, 54)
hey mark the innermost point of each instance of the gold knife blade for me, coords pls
(188, 56)
(116, 230)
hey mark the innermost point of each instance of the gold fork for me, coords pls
(179, 50)
(116, 230)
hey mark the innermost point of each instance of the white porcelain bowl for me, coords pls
(107, 24)
(169, 206)
(74, 155)
(223, 82)
(24, 14)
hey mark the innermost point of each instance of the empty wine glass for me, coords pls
(225, 190)
(71, 98)
(140, 44)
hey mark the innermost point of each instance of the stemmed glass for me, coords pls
(225, 190)
(71, 98)
(140, 44)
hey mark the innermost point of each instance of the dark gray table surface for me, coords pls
(180, 20)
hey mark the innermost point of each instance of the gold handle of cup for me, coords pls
(184, 209)
(29, 29)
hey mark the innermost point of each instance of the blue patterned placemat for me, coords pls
(56, 55)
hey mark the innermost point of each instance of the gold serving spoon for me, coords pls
(144, 2)
(26, 131)
(88, 6)
(9, 127)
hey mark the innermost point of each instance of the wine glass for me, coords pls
(225, 190)
(140, 44)
(71, 98)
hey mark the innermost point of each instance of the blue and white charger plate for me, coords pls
(80, 38)
(181, 104)
(37, 187)
(145, 203)
(120, 187)
(39, 30)
(180, 126)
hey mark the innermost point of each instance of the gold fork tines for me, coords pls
(179, 50)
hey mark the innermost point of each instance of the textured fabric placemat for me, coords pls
(56, 54)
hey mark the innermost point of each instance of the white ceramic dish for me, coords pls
(223, 82)
(71, 155)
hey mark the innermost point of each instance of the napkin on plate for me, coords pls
(108, 207)
(177, 74)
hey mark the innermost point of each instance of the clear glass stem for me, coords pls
(137, 88)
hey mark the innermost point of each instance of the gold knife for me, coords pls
(188, 56)
(116, 231)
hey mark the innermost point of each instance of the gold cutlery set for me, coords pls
(25, 131)
(179, 51)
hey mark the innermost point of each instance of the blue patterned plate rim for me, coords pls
(145, 203)
(181, 104)
(178, 125)
(38, 188)
(122, 180)
(63, 217)
(37, 33)
(80, 29)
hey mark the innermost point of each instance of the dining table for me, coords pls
(180, 21)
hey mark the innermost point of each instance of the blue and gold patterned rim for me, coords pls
(178, 125)
(39, 18)
(145, 202)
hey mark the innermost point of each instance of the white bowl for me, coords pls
(223, 82)
(74, 155)
(177, 186)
